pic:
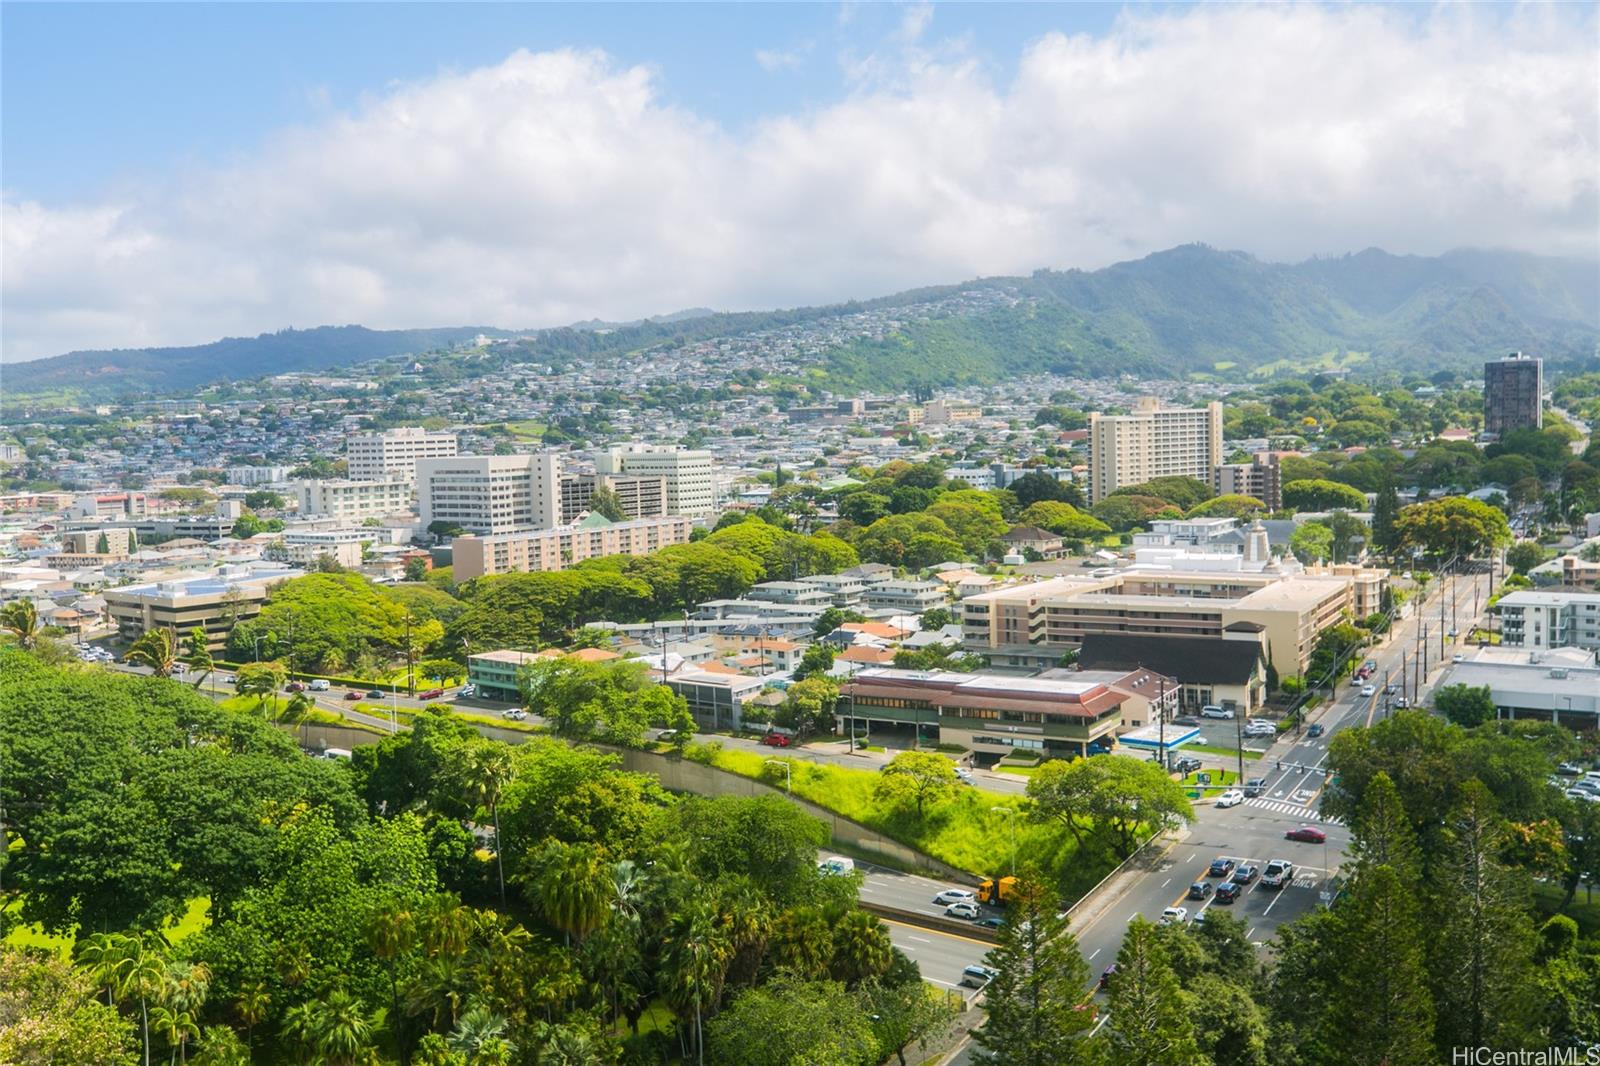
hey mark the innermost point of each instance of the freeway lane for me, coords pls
(940, 956)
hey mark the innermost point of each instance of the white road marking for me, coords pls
(1096, 952)
(919, 939)
(947, 984)
(1167, 882)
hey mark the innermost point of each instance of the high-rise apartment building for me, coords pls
(557, 548)
(1540, 620)
(1153, 441)
(489, 494)
(642, 497)
(691, 479)
(1261, 477)
(1513, 394)
(355, 501)
(394, 453)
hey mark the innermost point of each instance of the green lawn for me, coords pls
(1586, 913)
(964, 832)
(1211, 749)
(196, 918)
(1218, 777)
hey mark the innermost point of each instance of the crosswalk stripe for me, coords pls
(1299, 810)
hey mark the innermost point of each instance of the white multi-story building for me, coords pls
(1152, 442)
(1550, 620)
(691, 479)
(562, 546)
(395, 452)
(354, 500)
(491, 494)
(257, 475)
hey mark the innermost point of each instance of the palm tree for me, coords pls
(295, 711)
(177, 1026)
(156, 649)
(803, 942)
(198, 654)
(694, 960)
(391, 936)
(573, 888)
(861, 948)
(340, 1027)
(478, 1029)
(103, 954)
(142, 975)
(252, 1004)
(746, 918)
(487, 772)
(300, 1028)
(22, 619)
(446, 926)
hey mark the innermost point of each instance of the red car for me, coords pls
(776, 740)
(431, 694)
(1308, 834)
(352, 695)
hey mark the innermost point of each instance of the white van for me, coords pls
(318, 685)
(837, 866)
(336, 753)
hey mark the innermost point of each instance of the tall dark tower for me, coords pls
(1513, 394)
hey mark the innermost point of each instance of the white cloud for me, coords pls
(559, 186)
(773, 60)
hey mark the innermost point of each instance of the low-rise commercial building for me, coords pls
(992, 715)
(1560, 686)
(1228, 671)
(495, 675)
(354, 501)
(559, 548)
(716, 700)
(906, 597)
(214, 602)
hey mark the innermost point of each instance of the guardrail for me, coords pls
(936, 922)
(1139, 855)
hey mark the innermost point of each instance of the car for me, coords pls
(1315, 730)
(962, 910)
(977, 976)
(956, 895)
(1200, 890)
(1569, 769)
(514, 714)
(1185, 719)
(964, 775)
(667, 735)
(1106, 975)
(1186, 764)
(1244, 875)
(468, 690)
(1255, 787)
(1452, 634)
(837, 866)
(1262, 729)
(1458, 657)
(295, 686)
(1391, 688)
(353, 695)
(989, 923)
(1370, 665)
(1221, 867)
(1231, 798)
(1307, 834)
(1174, 916)
(1369, 690)
(431, 694)
(319, 684)
(1402, 703)
(1211, 710)
(1278, 873)
(1199, 918)
(377, 694)
(1228, 891)
(775, 740)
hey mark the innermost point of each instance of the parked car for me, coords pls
(1278, 873)
(467, 691)
(1569, 769)
(962, 910)
(1228, 891)
(1231, 798)
(1308, 834)
(431, 694)
(352, 695)
(1174, 916)
(1200, 890)
(1315, 730)
(1244, 875)
(1369, 690)
(1185, 719)
(1211, 710)
(956, 895)
(1260, 729)
(1458, 657)
(977, 976)
(775, 740)
(1255, 787)
(1221, 867)
(319, 685)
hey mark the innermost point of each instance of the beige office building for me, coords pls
(691, 479)
(561, 547)
(642, 497)
(214, 602)
(491, 494)
(1031, 625)
(352, 500)
(394, 453)
(1153, 441)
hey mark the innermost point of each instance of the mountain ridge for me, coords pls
(1184, 311)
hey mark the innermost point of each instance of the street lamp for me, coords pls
(259, 638)
(1011, 814)
(788, 773)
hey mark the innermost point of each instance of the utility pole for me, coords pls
(1161, 717)
(1238, 731)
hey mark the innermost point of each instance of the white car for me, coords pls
(1213, 711)
(1231, 798)
(1265, 729)
(1369, 690)
(318, 684)
(956, 895)
(962, 910)
(1174, 916)
(964, 775)
(515, 714)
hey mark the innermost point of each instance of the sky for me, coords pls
(170, 174)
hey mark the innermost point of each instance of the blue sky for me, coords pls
(83, 109)
(170, 174)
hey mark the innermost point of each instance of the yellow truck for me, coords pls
(995, 892)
